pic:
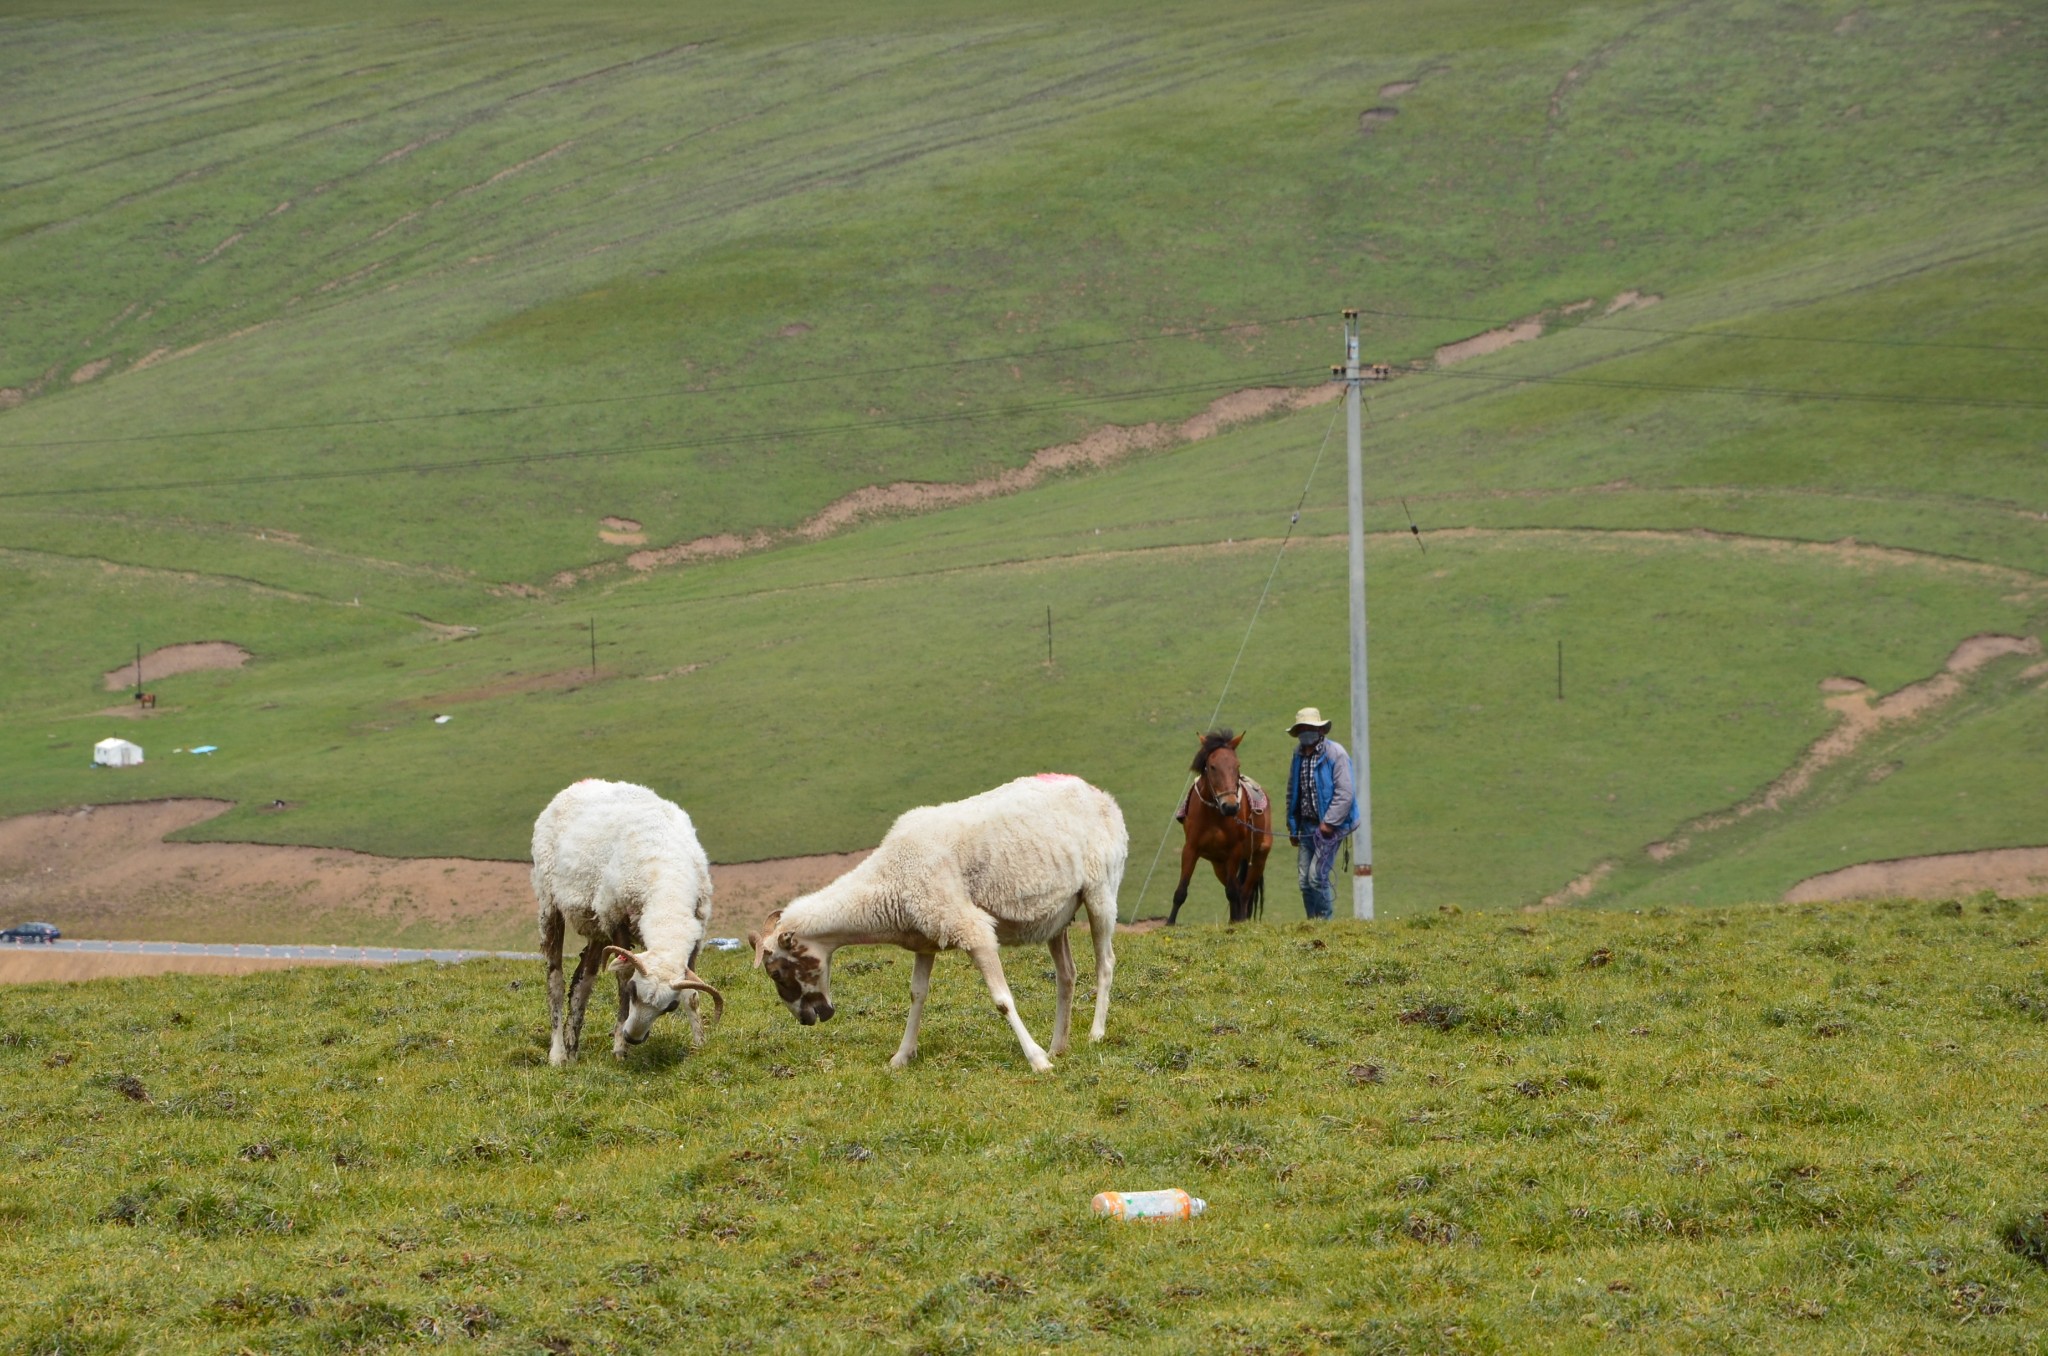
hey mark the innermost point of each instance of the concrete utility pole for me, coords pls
(1361, 726)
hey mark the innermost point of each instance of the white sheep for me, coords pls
(1005, 868)
(623, 868)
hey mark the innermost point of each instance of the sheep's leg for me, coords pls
(920, 985)
(621, 937)
(990, 964)
(551, 951)
(1063, 966)
(690, 1004)
(625, 1006)
(587, 966)
(1102, 931)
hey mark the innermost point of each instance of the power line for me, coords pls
(632, 449)
(1600, 327)
(1293, 522)
(809, 377)
(1754, 392)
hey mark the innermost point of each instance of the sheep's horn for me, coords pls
(717, 998)
(628, 957)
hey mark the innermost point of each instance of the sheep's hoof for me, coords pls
(899, 1060)
(1041, 1065)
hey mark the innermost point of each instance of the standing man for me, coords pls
(1322, 809)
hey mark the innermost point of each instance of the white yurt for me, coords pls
(116, 753)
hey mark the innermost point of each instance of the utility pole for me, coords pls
(1361, 726)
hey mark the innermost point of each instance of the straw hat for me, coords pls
(1306, 718)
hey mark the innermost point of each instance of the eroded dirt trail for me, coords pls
(105, 871)
(1861, 714)
(2016, 873)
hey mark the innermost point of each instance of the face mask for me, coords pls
(1310, 738)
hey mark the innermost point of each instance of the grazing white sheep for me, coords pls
(1005, 868)
(622, 867)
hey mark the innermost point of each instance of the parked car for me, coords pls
(30, 934)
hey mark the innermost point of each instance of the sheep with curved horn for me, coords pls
(621, 867)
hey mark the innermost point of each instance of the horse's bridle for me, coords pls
(1244, 803)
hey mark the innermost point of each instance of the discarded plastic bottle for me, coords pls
(1172, 1203)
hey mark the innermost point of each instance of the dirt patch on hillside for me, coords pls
(105, 871)
(1372, 119)
(2012, 872)
(1493, 341)
(743, 894)
(91, 370)
(1398, 88)
(188, 658)
(1579, 888)
(1105, 445)
(1631, 300)
(617, 531)
(1861, 714)
(36, 965)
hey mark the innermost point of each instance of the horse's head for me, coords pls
(1216, 762)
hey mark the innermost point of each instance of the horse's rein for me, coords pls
(1243, 815)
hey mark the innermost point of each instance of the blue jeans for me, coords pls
(1312, 866)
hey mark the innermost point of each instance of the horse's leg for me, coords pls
(1243, 876)
(1063, 967)
(1221, 865)
(1262, 844)
(1188, 857)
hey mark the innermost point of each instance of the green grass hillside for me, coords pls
(262, 269)
(1769, 1129)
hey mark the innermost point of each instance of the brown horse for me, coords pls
(1229, 823)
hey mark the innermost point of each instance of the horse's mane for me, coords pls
(1211, 742)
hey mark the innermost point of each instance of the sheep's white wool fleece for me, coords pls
(612, 853)
(1018, 856)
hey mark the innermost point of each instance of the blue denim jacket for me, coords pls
(1332, 772)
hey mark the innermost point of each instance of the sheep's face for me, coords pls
(647, 997)
(801, 971)
(652, 990)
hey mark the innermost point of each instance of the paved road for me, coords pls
(365, 955)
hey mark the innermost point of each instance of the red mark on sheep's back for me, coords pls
(1054, 777)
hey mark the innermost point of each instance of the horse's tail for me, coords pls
(1257, 902)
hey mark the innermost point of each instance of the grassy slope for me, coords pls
(1466, 664)
(936, 187)
(1757, 1129)
(1795, 181)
